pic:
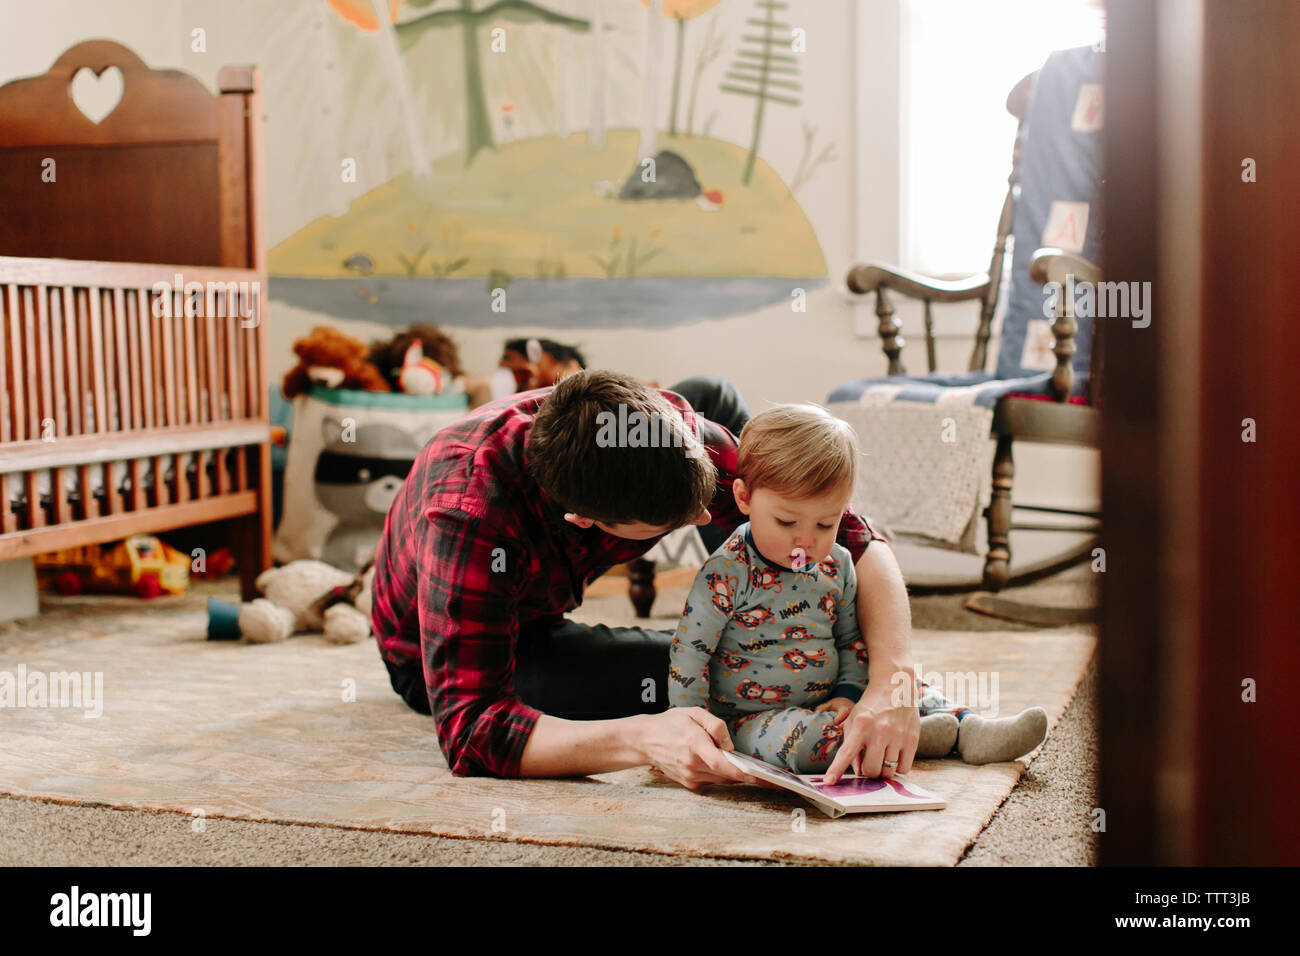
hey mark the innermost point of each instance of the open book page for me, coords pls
(851, 794)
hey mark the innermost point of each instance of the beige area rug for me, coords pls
(271, 733)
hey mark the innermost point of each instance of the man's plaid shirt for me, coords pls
(473, 553)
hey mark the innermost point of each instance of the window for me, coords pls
(959, 61)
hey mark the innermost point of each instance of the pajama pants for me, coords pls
(805, 741)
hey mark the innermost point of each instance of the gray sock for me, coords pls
(995, 739)
(938, 735)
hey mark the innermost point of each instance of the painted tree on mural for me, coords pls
(710, 48)
(656, 12)
(596, 123)
(757, 69)
(461, 13)
(681, 11)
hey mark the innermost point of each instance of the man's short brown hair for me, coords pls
(662, 477)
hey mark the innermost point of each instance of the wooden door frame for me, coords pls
(1202, 528)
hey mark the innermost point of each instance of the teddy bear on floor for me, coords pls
(309, 595)
(331, 358)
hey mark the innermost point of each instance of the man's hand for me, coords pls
(841, 705)
(875, 731)
(686, 744)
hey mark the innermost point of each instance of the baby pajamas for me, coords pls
(760, 646)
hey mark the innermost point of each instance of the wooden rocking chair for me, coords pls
(1050, 417)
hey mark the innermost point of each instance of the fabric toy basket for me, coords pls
(353, 450)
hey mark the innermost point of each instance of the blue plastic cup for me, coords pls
(223, 621)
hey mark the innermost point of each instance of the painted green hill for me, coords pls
(534, 209)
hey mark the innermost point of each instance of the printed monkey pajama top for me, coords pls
(760, 645)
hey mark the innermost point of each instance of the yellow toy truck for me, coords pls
(141, 564)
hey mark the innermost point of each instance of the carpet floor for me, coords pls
(212, 732)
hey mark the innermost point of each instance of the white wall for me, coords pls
(773, 355)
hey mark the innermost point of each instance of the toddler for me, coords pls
(769, 638)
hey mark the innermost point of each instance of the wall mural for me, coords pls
(608, 226)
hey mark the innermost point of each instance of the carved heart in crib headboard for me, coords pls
(100, 115)
(97, 95)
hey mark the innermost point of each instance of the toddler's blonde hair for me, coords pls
(798, 450)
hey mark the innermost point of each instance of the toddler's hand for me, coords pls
(841, 706)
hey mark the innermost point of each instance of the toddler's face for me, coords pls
(792, 532)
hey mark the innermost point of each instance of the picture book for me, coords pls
(852, 794)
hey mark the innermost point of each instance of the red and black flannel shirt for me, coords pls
(473, 552)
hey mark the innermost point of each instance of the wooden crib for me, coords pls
(133, 393)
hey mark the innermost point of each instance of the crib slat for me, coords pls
(82, 300)
(59, 495)
(144, 322)
(97, 360)
(203, 488)
(245, 361)
(58, 488)
(110, 360)
(180, 470)
(245, 389)
(59, 411)
(101, 347)
(35, 513)
(184, 399)
(48, 423)
(125, 405)
(31, 388)
(212, 367)
(258, 405)
(202, 338)
(45, 418)
(162, 349)
(22, 366)
(6, 323)
(72, 362)
(134, 320)
(169, 365)
(189, 323)
(234, 371)
(221, 372)
(206, 388)
(8, 521)
(159, 399)
(199, 323)
(131, 318)
(161, 492)
(117, 403)
(30, 380)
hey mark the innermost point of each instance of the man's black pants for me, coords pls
(583, 672)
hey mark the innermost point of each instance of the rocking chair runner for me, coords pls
(1050, 416)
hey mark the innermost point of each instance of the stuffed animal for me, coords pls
(538, 363)
(309, 596)
(392, 357)
(420, 375)
(331, 358)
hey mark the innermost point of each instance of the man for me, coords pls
(509, 514)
